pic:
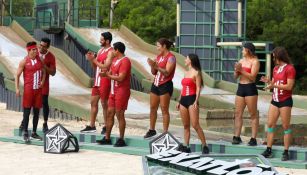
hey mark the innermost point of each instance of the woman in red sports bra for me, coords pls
(188, 103)
(247, 93)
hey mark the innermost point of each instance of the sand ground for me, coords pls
(19, 159)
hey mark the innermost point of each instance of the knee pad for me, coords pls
(271, 130)
(288, 131)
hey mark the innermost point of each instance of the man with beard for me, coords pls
(101, 88)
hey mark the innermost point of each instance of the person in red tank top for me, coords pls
(49, 65)
(162, 88)
(120, 73)
(247, 93)
(101, 88)
(34, 77)
(282, 84)
(188, 103)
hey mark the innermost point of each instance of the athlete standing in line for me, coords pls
(120, 74)
(247, 93)
(192, 84)
(162, 88)
(101, 88)
(34, 76)
(282, 84)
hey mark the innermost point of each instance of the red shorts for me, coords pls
(103, 91)
(32, 98)
(119, 100)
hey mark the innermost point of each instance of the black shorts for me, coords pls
(187, 101)
(247, 90)
(287, 103)
(163, 88)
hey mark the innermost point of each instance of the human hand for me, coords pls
(195, 105)
(178, 106)
(238, 67)
(264, 79)
(17, 93)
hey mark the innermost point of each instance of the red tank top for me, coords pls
(188, 87)
(162, 61)
(122, 65)
(247, 69)
(280, 75)
(101, 57)
(32, 73)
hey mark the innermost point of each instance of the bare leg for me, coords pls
(240, 106)
(185, 118)
(285, 114)
(154, 104)
(194, 117)
(94, 109)
(120, 114)
(110, 122)
(164, 103)
(104, 104)
(272, 119)
(251, 102)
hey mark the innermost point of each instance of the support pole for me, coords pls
(217, 18)
(239, 18)
(178, 19)
(2, 12)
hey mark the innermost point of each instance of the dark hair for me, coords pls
(166, 42)
(251, 48)
(107, 36)
(120, 47)
(195, 63)
(46, 40)
(281, 54)
(31, 43)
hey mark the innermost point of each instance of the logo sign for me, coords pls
(60, 140)
(163, 142)
(193, 163)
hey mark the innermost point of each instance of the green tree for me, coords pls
(149, 19)
(285, 23)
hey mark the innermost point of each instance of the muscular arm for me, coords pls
(18, 74)
(107, 62)
(170, 66)
(255, 70)
(44, 77)
(118, 78)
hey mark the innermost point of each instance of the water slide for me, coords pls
(138, 51)
(67, 89)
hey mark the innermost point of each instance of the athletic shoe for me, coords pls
(120, 143)
(45, 127)
(285, 156)
(26, 137)
(36, 136)
(236, 140)
(252, 142)
(184, 149)
(267, 153)
(104, 141)
(205, 150)
(104, 130)
(89, 129)
(150, 133)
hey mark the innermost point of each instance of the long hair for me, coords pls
(195, 63)
(281, 54)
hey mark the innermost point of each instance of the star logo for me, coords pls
(55, 139)
(164, 142)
